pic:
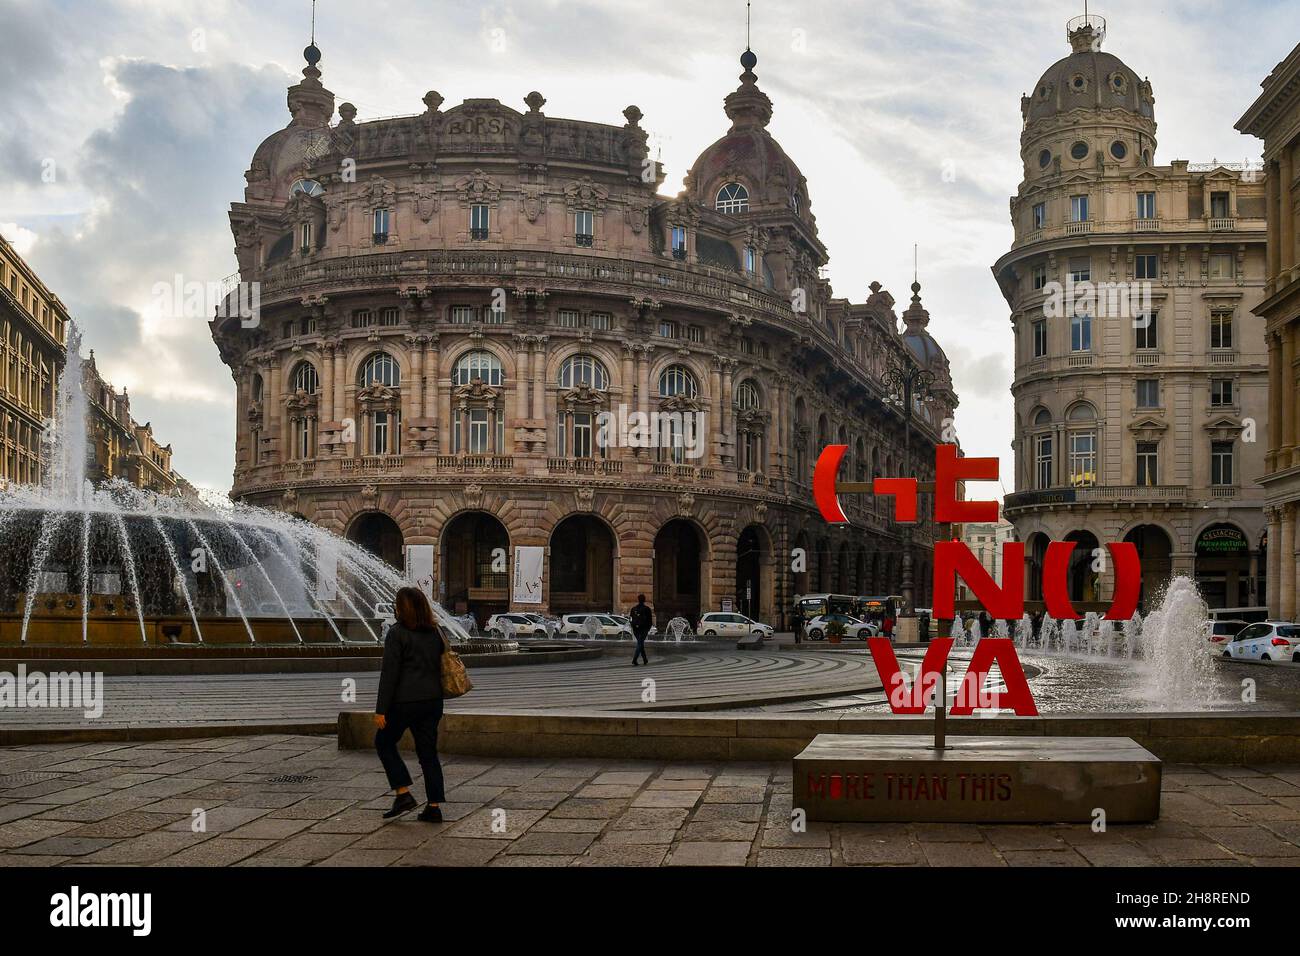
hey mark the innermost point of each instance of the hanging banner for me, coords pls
(419, 568)
(529, 563)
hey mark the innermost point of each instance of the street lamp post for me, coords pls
(908, 383)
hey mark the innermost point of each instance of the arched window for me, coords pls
(732, 197)
(747, 396)
(583, 370)
(1043, 418)
(380, 369)
(305, 378)
(678, 380)
(1082, 438)
(479, 364)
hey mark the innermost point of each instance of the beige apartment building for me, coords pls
(1275, 118)
(33, 342)
(450, 302)
(1141, 372)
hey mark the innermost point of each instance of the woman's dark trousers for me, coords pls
(422, 718)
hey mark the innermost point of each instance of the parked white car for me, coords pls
(1222, 632)
(730, 624)
(1267, 641)
(853, 627)
(593, 625)
(517, 625)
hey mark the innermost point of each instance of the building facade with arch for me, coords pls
(466, 314)
(1141, 371)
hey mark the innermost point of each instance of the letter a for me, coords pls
(1000, 651)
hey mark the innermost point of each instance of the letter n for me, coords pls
(952, 558)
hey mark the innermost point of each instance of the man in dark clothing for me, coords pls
(641, 621)
(798, 625)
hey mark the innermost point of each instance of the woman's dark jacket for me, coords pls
(412, 669)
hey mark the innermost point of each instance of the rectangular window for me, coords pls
(1148, 463)
(478, 431)
(390, 317)
(679, 242)
(1220, 330)
(751, 261)
(478, 222)
(583, 229)
(1078, 208)
(1083, 459)
(1043, 461)
(602, 321)
(1145, 331)
(304, 237)
(582, 435)
(1146, 205)
(1221, 265)
(1221, 463)
(462, 314)
(308, 326)
(1081, 333)
(493, 316)
(1040, 338)
(381, 225)
(695, 333)
(569, 319)
(1038, 277)
(380, 434)
(1221, 392)
(1146, 267)
(1148, 393)
(668, 330)
(1081, 270)
(1040, 215)
(1218, 205)
(362, 318)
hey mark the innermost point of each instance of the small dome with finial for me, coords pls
(749, 60)
(311, 54)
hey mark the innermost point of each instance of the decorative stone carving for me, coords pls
(426, 201)
(478, 189)
(585, 193)
(379, 192)
(474, 495)
(686, 504)
(584, 498)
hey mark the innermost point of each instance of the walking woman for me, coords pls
(410, 696)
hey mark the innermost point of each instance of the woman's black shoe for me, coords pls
(431, 815)
(402, 803)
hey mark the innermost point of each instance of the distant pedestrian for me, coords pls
(798, 625)
(641, 622)
(411, 696)
(887, 626)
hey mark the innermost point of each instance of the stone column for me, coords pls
(327, 381)
(1288, 395)
(1286, 213)
(341, 410)
(728, 443)
(1273, 569)
(273, 408)
(628, 385)
(715, 411)
(1274, 402)
(1272, 204)
(1287, 567)
(643, 393)
(521, 379)
(539, 373)
(432, 370)
(412, 397)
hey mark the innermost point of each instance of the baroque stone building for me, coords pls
(33, 342)
(449, 303)
(1140, 371)
(1275, 118)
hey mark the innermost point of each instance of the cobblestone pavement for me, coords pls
(607, 683)
(280, 800)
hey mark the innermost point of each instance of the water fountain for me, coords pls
(116, 565)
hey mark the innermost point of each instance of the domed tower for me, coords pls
(747, 175)
(1139, 365)
(1087, 110)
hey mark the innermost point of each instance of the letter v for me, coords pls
(904, 699)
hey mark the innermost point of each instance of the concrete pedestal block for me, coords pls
(907, 631)
(977, 779)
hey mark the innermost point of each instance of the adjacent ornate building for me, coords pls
(453, 303)
(122, 448)
(1275, 118)
(33, 342)
(1140, 369)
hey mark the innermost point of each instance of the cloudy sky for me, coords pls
(129, 123)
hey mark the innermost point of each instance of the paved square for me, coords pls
(300, 801)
